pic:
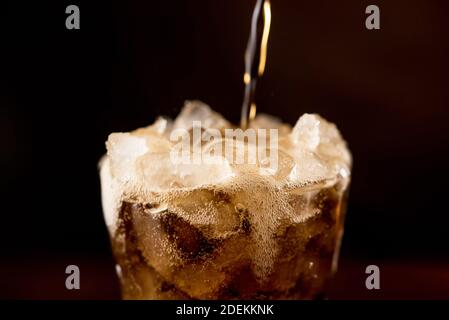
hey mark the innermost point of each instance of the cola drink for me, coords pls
(226, 230)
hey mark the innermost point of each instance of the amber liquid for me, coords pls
(255, 58)
(221, 268)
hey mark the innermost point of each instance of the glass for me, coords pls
(161, 255)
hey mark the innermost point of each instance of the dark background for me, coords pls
(63, 91)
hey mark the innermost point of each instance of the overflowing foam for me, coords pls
(312, 154)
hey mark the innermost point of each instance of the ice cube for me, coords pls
(155, 136)
(313, 133)
(233, 151)
(123, 149)
(211, 170)
(306, 132)
(147, 235)
(162, 126)
(198, 111)
(160, 172)
(155, 170)
(210, 209)
(187, 232)
(189, 241)
(318, 148)
(309, 169)
(278, 164)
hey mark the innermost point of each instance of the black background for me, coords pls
(63, 91)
